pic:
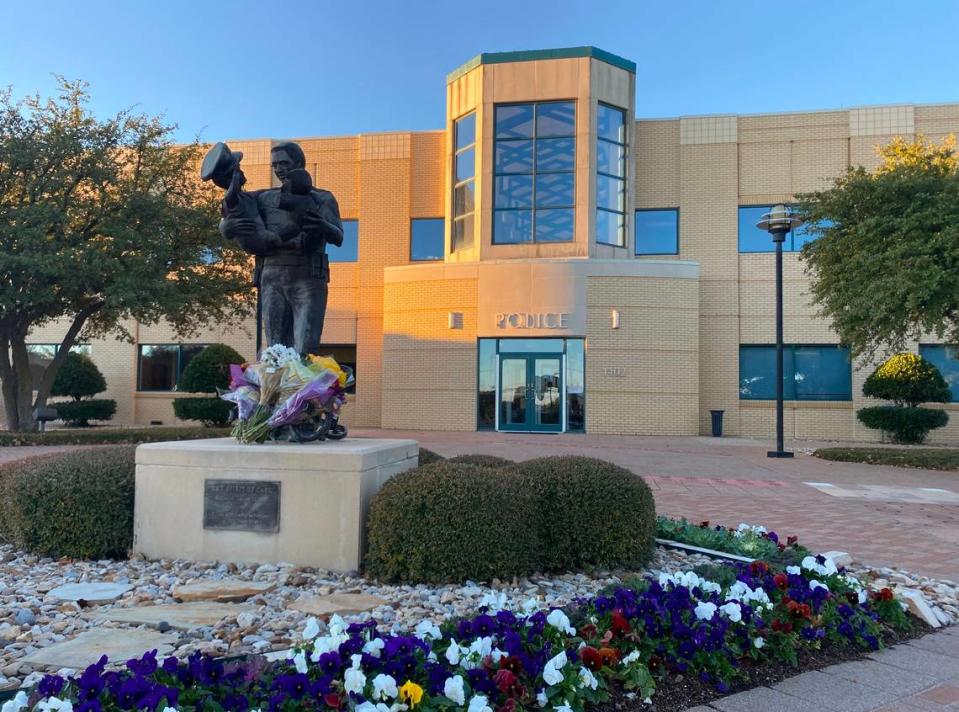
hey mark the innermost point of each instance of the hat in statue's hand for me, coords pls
(219, 163)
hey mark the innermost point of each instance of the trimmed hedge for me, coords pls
(209, 370)
(77, 504)
(78, 377)
(904, 424)
(109, 436)
(482, 461)
(428, 456)
(450, 522)
(907, 379)
(589, 513)
(212, 412)
(462, 519)
(79, 413)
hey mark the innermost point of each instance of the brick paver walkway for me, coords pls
(731, 480)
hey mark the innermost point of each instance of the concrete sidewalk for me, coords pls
(922, 674)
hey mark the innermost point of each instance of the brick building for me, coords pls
(549, 262)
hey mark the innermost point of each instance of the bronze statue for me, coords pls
(287, 229)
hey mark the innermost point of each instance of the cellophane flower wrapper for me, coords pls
(323, 363)
(269, 379)
(318, 391)
(238, 377)
(246, 399)
(294, 376)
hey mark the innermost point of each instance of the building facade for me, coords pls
(548, 262)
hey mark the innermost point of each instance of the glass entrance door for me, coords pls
(531, 392)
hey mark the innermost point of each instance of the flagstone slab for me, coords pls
(222, 591)
(341, 603)
(94, 593)
(117, 644)
(183, 616)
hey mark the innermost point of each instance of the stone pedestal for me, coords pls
(219, 500)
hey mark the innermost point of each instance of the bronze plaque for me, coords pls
(241, 505)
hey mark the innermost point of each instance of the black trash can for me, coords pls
(717, 416)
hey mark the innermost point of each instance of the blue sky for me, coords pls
(250, 69)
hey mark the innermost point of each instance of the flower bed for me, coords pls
(755, 542)
(508, 660)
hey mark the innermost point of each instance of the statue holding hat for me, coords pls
(287, 229)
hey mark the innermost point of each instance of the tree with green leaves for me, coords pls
(885, 266)
(103, 222)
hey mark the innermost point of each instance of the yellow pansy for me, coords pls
(318, 363)
(411, 693)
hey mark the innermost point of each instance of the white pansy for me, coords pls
(481, 647)
(374, 647)
(705, 611)
(384, 687)
(356, 661)
(741, 591)
(560, 621)
(530, 606)
(496, 655)
(732, 611)
(431, 656)
(793, 570)
(428, 630)
(453, 689)
(354, 681)
(813, 585)
(827, 568)
(495, 601)
(551, 671)
(759, 642)
(861, 593)
(563, 707)
(631, 658)
(743, 529)
(327, 644)
(453, 653)
(367, 707)
(170, 709)
(541, 699)
(479, 703)
(312, 629)
(16, 704)
(587, 679)
(54, 704)
(690, 580)
(337, 625)
(299, 662)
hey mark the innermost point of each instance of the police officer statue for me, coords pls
(287, 229)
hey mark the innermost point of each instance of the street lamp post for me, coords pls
(778, 222)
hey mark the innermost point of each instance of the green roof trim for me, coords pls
(535, 54)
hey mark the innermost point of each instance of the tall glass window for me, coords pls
(160, 366)
(39, 357)
(535, 163)
(464, 182)
(426, 239)
(946, 359)
(349, 251)
(753, 239)
(657, 232)
(809, 372)
(611, 176)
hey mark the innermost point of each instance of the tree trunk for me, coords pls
(24, 384)
(8, 380)
(50, 372)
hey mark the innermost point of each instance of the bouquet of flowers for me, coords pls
(284, 392)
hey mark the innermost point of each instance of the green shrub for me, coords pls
(78, 378)
(209, 370)
(79, 413)
(212, 412)
(907, 379)
(482, 461)
(589, 513)
(428, 456)
(450, 522)
(105, 436)
(902, 423)
(77, 504)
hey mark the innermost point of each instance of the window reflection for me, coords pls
(611, 176)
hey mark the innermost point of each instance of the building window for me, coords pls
(39, 357)
(753, 239)
(657, 232)
(946, 359)
(464, 182)
(809, 373)
(160, 366)
(611, 176)
(349, 251)
(345, 355)
(426, 239)
(534, 166)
